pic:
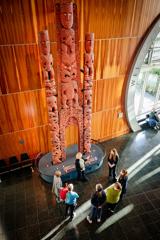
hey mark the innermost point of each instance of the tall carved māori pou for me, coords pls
(71, 111)
(51, 95)
(88, 82)
(72, 108)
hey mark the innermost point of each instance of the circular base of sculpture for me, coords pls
(67, 168)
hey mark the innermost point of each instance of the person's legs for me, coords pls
(67, 208)
(113, 206)
(110, 172)
(92, 214)
(83, 176)
(72, 207)
(78, 175)
(114, 173)
(99, 214)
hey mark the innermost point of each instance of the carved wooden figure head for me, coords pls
(66, 15)
(44, 42)
(89, 42)
(47, 62)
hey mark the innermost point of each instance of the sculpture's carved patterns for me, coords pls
(68, 117)
(51, 95)
(87, 97)
(69, 82)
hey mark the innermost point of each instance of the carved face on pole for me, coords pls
(89, 42)
(66, 15)
(44, 42)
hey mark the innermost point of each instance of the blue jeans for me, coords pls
(95, 212)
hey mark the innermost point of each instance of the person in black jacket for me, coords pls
(123, 179)
(77, 165)
(80, 167)
(98, 199)
(113, 158)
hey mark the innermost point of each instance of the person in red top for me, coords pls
(63, 192)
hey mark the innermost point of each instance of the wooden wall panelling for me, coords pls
(110, 20)
(28, 67)
(21, 111)
(4, 118)
(35, 140)
(108, 92)
(112, 57)
(71, 133)
(45, 17)
(17, 17)
(144, 13)
(106, 124)
(9, 71)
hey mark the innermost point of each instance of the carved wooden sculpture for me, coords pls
(51, 95)
(87, 98)
(72, 110)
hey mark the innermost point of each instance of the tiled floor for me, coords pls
(28, 209)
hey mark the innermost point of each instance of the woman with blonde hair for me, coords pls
(113, 158)
(71, 201)
(98, 199)
(123, 179)
(57, 184)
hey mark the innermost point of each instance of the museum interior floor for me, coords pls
(28, 209)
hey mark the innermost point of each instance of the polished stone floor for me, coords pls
(28, 209)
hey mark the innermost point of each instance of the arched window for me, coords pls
(143, 89)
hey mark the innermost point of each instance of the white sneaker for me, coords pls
(98, 220)
(89, 220)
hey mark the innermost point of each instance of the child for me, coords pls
(71, 201)
(63, 192)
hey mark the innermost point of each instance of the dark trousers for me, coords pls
(70, 208)
(79, 174)
(112, 172)
(95, 213)
(83, 176)
(111, 206)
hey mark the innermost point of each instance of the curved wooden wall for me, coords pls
(118, 26)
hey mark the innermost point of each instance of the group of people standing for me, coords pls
(111, 196)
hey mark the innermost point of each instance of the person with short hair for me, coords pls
(98, 199)
(123, 179)
(80, 167)
(71, 201)
(57, 184)
(154, 115)
(152, 122)
(113, 196)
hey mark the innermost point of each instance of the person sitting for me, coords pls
(152, 122)
(154, 115)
